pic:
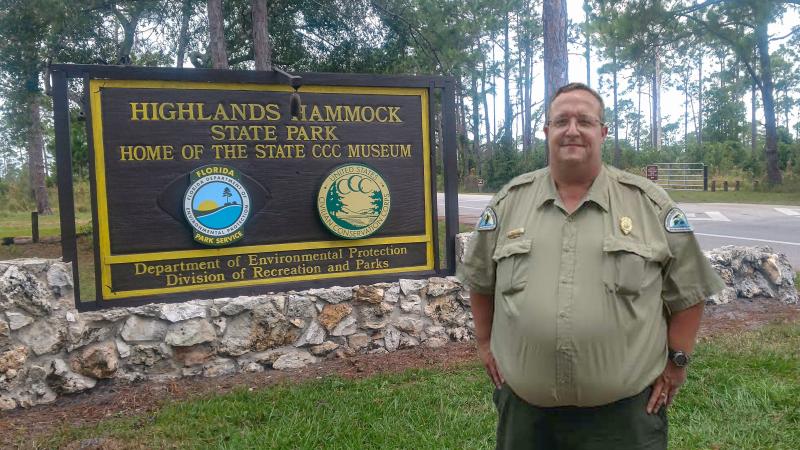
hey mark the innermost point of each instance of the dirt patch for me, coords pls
(116, 399)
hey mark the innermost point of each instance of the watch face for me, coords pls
(680, 359)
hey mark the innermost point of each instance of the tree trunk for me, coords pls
(639, 114)
(753, 128)
(771, 149)
(528, 131)
(216, 35)
(183, 35)
(476, 122)
(700, 101)
(686, 75)
(508, 129)
(261, 42)
(617, 150)
(587, 44)
(656, 104)
(36, 156)
(487, 124)
(554, 21)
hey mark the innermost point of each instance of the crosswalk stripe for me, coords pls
(788, 211)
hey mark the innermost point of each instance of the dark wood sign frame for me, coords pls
(431, 87)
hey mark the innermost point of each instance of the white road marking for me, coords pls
(471, 207)
(789, 211)
(715, 216)
(747, 239)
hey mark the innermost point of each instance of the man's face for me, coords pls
(574, 131)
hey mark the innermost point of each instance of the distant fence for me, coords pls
(679, 176)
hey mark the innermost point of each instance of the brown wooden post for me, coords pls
(35, 226)
(737, 186)
(725, 185)
(713, 185)
(755, 185)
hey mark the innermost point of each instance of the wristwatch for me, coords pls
(679, 357)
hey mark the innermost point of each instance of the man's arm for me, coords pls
(482, 314)
(682, 329)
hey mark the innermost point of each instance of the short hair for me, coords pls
(578, 87)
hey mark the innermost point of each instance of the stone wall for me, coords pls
(48, 348)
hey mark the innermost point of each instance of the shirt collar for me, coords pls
(598, 192)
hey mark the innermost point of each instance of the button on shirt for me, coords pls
(579, 315)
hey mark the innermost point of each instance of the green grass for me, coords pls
(17, 224)
(743, 392)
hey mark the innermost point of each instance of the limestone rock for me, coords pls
(334, 295)
(324, 348)
(446, 311)
(220, 323)
(96, 361)
(42, 337)
(392, 294)
(441, 286)
(149, 355)
(190, 332)
(5, 334)
(725, 296)
(80, 333)
(358, 341)
(178, 312)
(346, 327)
(123, 349)
(262, 329)
(462, 241)
(219, 367)
(18, 320)
(411, 304)
(460, 334)
(412, 286)
(369, 294)
(238, 305)
(407, 341)
(108, 315)
(293, 360)
(332, 315)
(139, 329)
(278, 301)
(391, 338)
(314, 335)
(301, 306)
(410, 324)
(13, 359)
(63, 381)
(59, 278)
(21, 288)
(7, 403)
(197, 354)
(375, 317)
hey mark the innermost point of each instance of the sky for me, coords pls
(672, 99)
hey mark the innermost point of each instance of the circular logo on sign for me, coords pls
(216, 205)
(353, 201)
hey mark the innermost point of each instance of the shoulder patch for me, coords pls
(488, 220)
(525, 178)
(676, 222)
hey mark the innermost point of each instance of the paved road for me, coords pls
(715, 224)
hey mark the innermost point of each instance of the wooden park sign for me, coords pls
(205, 185)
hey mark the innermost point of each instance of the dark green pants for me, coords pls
(622, 425)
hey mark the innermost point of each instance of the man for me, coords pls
(587, 288)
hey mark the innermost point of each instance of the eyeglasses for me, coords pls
(585, 123)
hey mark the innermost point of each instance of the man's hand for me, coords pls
(666, 387)
(490, 364)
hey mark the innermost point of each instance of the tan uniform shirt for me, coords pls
(581, 299)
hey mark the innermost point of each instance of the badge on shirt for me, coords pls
(677, 222)
(488, 221)
(626, 225)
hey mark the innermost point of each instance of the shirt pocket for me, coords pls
(513, 260)
(624, 268)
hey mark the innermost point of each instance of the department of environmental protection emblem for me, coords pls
(353, 201)
(216, 205)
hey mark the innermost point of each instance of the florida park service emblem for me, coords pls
(353, 201)
(216, 205)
